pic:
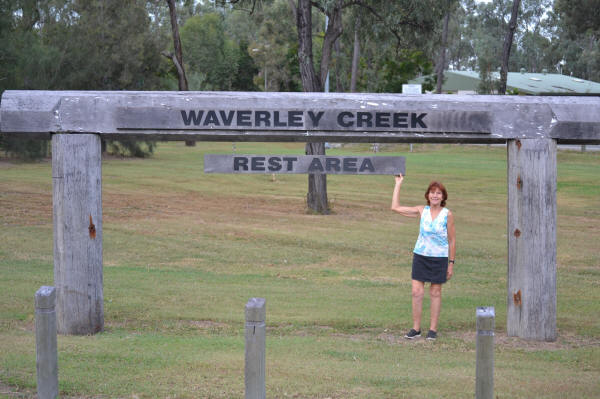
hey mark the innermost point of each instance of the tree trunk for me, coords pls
(442, 60)
(508, 39)
(310, 80)
(355, 57)
(333, 32)
(338, 56)
(316, 198)
(177, 58)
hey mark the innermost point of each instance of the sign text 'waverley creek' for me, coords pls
(307, 120)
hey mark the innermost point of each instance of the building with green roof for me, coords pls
(537, 84)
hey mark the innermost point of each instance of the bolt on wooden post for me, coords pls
(255, 349)
(484, 374)
(46, 354)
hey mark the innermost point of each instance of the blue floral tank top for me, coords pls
(433, 234)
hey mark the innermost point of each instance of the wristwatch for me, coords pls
(451, 261)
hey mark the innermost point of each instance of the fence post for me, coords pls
(255, 349)
(531, 223)
(45, 343)
(77, 216)
(484, 375)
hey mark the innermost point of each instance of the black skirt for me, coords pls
(430, 269)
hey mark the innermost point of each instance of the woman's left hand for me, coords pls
(450, 271)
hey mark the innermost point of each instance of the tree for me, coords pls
(579, 16)
(77, 45)
(508, 39)
(393, 15)
(177, 57)
(216, 61)
(404, 20)
(316, 197)
(441, 64)
(213, 58)
(244, 78)
(404, 66)
(355, 55)
(274, 47)
(579, 33)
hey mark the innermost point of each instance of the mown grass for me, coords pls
(184, 251)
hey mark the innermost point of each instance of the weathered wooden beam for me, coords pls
(77, 208)
(531, 307)
(336, 117)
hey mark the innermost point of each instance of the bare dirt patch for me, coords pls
(501, 339)
(117, 207)
(28, 206)
(207, 324)
(564, 341)
(137, 327)
(24, 206)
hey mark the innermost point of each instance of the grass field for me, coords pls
(184, 251)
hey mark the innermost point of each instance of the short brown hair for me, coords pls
(440, 186)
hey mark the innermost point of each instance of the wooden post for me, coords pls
(531, 308)
(255, 349)
(77, 199)
(46, 354)
(484, 371)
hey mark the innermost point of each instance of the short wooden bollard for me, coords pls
(45, 343)
(484, 375)
(255, 348)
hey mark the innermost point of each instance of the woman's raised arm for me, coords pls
(410, 211)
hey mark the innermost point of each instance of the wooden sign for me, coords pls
(305, 117)
(300, 164)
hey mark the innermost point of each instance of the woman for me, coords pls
(433, 256)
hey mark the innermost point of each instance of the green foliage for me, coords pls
(130, 148)
(25, 149)
(108, 46)
(207, 51)
(579, 33)
(274, 48)
(77, 45)
(247, 69)
(580, 16)
(214, 61)
(400, 70)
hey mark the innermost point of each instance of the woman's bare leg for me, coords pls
(418, 291)
(435, 293)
